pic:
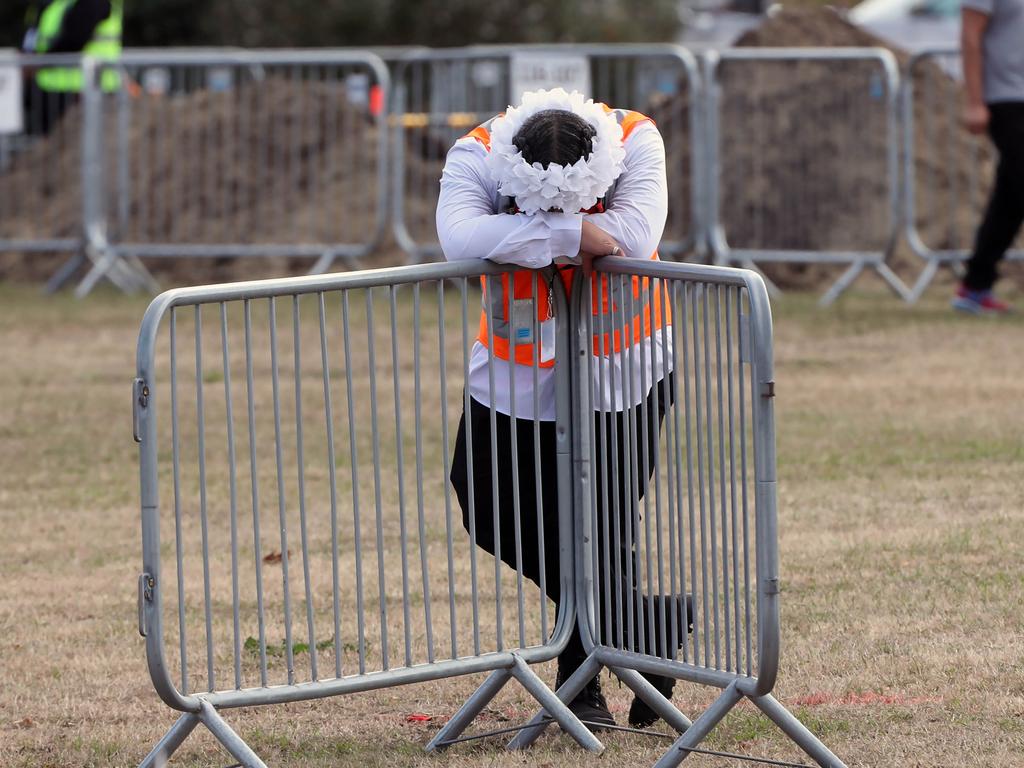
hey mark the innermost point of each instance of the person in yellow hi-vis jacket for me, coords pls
(91, 27)
(559, 178)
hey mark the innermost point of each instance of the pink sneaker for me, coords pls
(978, 302)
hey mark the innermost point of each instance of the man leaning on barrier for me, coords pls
(993, 56)
(557, 178)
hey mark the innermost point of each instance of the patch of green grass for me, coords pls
(251, 645)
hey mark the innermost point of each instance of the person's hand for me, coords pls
(976, 118)
(594, 241)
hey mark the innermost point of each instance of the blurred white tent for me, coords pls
(910, 24)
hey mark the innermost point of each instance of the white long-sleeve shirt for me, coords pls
(469, 228)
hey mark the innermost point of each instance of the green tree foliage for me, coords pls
(300, 23)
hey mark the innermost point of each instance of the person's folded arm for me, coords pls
(639, 206)
(468, 228)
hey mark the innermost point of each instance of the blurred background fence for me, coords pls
(440, 95)
(784, 159)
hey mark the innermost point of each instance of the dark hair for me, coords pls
(555, 136)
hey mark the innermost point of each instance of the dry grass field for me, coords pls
(901, 508)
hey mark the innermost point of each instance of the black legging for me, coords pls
(530, 529)
(1005, 212)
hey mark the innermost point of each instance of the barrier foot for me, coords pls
(323, 263)
(839, 286)
(107, 266)
(796, 730)
(662, 706)
(923, 281)
(570, 688)
(898, 286)
(701, 727)
(225, 735)
(128, 274)
(161, 753)
(474, 705)
(554, 705)
(63, 275)
(143, 276)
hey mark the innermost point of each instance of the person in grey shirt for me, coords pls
(992, 39)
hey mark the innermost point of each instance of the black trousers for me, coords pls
(1005, 212)
(44, 109)
(539, 522)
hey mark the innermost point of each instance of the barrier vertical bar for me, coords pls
(179, 542)
(203, 517)
(470, 491)
(445, 462)
(421, 527)
(301, 485)
(354, 454)
(333, 479)
(233, 495)
(257, 542)
(400, 470)
(378, 503)
(281, 506)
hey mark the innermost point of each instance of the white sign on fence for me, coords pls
(11, 118)
(533, 70)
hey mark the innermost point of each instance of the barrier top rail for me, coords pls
(11, 56)
(586, 49)
(248, 55)
(810, 54)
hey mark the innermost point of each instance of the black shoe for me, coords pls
(640, 713)
(589, 706)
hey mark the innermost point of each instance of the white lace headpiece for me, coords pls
(569, 188)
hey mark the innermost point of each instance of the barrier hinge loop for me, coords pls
(146, 586)
(768, 388)
(140, 400)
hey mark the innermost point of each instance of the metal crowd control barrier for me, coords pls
(287, 583)
(700, 545)
(440, 95)
(40, 158)
(255, 153)
(948, 173)
(299, 444)
(804, 158)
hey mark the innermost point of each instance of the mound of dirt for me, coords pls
(807, 27)
(265, 163)
(804, 152)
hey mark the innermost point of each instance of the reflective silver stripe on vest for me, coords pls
(494, 305)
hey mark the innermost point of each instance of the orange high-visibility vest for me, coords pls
(619, 319)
